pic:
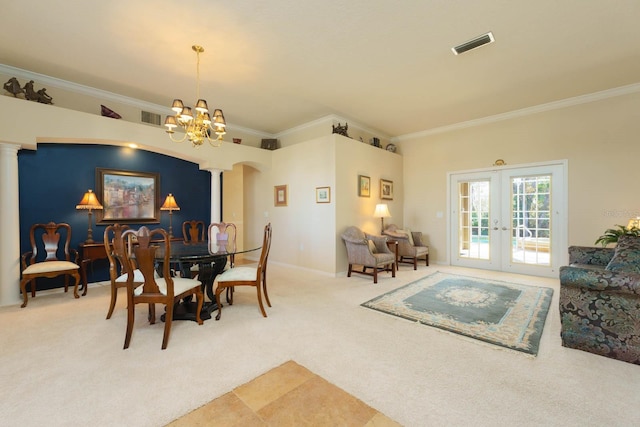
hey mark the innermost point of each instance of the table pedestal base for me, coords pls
(186, 310)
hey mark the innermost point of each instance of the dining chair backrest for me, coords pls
(266, 248)
(223, 231)
(193, 231)
(114, 248)
(144, 253)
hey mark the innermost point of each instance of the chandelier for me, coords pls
(200, 127)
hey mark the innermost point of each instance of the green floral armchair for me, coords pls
(600, 300)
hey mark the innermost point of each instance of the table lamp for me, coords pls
(89, 201)
(170, 205)
(634, 223)
(382, 212)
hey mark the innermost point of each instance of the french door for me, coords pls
(511, 219)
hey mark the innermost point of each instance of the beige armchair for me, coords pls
(368, 251)
(410, 245)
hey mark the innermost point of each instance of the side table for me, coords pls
(90, 252)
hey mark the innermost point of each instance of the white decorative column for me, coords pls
(215, 195)
(10, 226)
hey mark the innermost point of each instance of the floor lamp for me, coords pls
(89, 201)
(170, 205)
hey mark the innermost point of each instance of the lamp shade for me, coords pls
(170, 204)
(89, 201)
(382, 211)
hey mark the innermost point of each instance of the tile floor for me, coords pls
(289, 395)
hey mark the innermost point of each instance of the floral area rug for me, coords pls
(500, 313)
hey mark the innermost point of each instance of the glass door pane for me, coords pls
(531, 220)
(474, 239)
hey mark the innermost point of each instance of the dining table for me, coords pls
(211, 257)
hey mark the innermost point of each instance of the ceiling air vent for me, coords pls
(473, 44)
(151, 118)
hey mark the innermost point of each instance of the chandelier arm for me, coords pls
(177, 140)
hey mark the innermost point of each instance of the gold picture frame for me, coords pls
(128, 196)
(364, 186)
(386, 189)
(280, 195)
(323, 194)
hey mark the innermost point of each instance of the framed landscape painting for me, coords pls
(127, 196)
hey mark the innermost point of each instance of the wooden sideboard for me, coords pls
(90, 252)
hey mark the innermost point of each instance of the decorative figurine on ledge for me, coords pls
(43, 98)
(341, 130)
(30, 92)
(13, 87)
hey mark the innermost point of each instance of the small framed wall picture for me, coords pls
(364, 186)
(280, 195)
(323, 195)
(386, 189)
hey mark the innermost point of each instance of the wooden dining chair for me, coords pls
(50, 256)
(114, 247)
(193, 231)
(165, 290)
(247, 276)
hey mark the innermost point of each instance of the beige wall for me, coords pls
(599, 140)
(306, 234)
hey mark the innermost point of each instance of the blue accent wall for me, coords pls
(54, 178)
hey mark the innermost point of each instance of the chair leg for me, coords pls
(415, 262)
(393, 269)
(218, 291)
(199, 303)
(264, 314)
(33, 288)
(114, 297)
(130, 319)
(152, 313)
(427, 260)
(76, 278)
(264, 290)
(168, 317)
(23, 289)
(66, 282)
(375, 274)
(350, 268)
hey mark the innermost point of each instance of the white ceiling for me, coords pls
(387, 64)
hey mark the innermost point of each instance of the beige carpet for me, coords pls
(62, 363)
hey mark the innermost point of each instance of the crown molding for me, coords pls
(104, 95)
(564, 103)
(165, 110)
(333, 118)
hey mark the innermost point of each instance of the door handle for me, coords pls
(504, 228)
